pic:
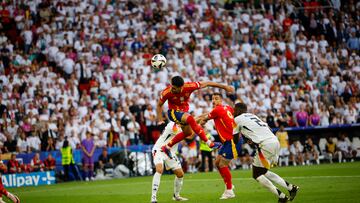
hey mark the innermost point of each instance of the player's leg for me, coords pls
(259, 176)
(91, 171)
(283, 183)
(222, 164)
(9, 195)
(178, 183)
(86, 171)
(159, 166)
(190, 126)
(186, 132)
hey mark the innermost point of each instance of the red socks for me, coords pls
(176, 139)
(197, 128)
(226, 175)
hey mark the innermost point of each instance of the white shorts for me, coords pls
(284, 152)
(269, 154)
(160, 157)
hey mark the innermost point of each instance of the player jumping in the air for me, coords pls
(3, 191)
(177, 94)
(267, 154)
(224, 125)
(160, 158)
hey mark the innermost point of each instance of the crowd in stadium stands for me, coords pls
(71, 67)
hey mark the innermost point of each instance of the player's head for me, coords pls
(176, 84)
(240, 108)
(216, 99)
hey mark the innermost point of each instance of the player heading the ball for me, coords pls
(178, 94)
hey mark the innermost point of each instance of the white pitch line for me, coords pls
(186, 180)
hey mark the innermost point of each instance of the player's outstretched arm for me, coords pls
(228, 88)
(159, 109)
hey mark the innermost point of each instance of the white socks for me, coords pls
(277, 179)
(155, 184)
(271, 187)
(178, 182)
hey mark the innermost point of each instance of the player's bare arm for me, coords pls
(159, 109)
(228, 88)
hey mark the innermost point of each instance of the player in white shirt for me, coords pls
(268, 147)
(160, 158)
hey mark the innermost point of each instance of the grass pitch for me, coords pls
(323, 183)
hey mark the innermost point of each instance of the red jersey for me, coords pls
(179, 101)
(224, 121)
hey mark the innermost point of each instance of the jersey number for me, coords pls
(259, 122)
(229, 114)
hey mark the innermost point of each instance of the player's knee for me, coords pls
(159, 169)
(180, 175)
(217, 163)
(258, 171)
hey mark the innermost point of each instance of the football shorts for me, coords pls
(160, 157)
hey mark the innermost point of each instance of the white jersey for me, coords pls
(253, 128)
(169, 132)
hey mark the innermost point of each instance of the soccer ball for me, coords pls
(158, 61)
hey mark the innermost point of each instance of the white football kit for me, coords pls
(160, 157)
(253, 128)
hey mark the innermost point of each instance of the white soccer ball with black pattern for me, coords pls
(158, 61)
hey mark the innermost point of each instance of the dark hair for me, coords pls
(217, 94)
(240, 108)
(177, 81)
(66, 143)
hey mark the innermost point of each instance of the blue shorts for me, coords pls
(175, 116)
(230, 149)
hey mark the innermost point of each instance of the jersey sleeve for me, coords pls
(214, 113)
(192, 86)
(165, 95)
(238, 125)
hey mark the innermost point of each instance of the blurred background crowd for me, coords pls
(68, 67)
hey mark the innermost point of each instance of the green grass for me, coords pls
(323, 183)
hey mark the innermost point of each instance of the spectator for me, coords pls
(311, 151)
(302, 117)
(13, 165)
(22, 145)
(314, 118)
(105, 162)
(9, 144)
(345, 150)
(270, 120)
(34, 141)
(88, 149)
(324, 116)
(36, 164)
(283, 138)
(296, 153)
(331, 149)
(50, 163)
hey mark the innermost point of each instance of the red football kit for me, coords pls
(224, 121)
(179, 101)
